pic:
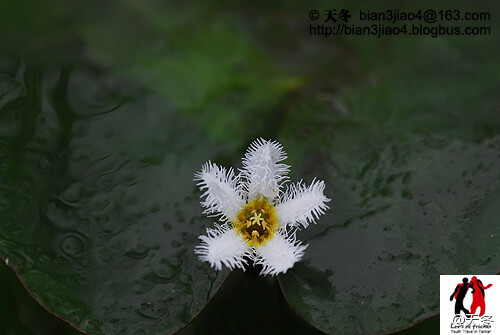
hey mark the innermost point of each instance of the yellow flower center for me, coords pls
(257, 222)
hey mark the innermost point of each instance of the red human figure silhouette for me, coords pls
(478, 295)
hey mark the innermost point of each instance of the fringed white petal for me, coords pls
(221, 193)
(223, 245)
(301, 204)
(279, 254)
(262, 170)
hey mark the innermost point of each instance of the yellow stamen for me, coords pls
(257, 222)
(257, 219)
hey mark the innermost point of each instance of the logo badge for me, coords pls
(469, 304)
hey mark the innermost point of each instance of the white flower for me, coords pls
(257, 224)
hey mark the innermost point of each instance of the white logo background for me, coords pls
(447, 307)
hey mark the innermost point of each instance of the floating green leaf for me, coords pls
(399, 221)
(411, 162)
(99, 212)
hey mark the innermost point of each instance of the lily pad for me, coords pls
(99, 212)
(411, 162)
(399, 222)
